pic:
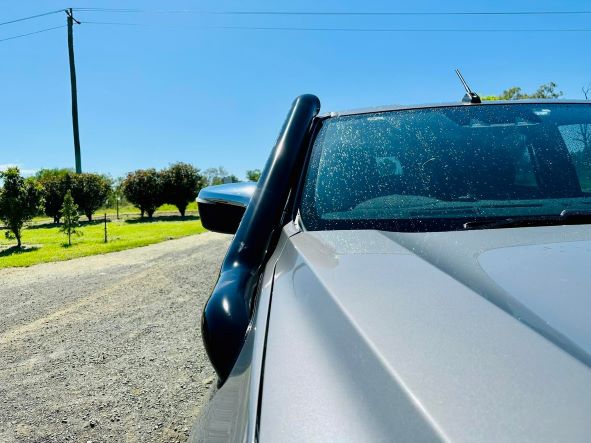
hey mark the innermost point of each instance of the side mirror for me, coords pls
(221, 207)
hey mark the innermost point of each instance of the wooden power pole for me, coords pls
(71, 21)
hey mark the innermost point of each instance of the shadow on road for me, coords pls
(161, 218)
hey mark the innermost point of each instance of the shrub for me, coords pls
(90, 192)
(116, 193)
(218, 176)
(181, 183)
(20, 200)
(55, 183)
(253, 175)
(69, 211)
(143, 188)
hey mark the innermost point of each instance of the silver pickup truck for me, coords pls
(409, 273)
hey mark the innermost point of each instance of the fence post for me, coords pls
(105, 227)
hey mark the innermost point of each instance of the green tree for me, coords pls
(143, 188)
(20, 200)
(215, 176)
(253, 175)
(55, 183)
(218, 176)
(181, 183)
(90, 192)
(547, 90)
(116, 193)
(71, 217)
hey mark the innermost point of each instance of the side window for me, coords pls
(524, 170)
(578, 141)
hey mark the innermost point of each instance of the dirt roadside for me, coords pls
(107, 348)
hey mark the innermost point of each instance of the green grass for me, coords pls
(44, 243)
(130, 209)
(126, 211)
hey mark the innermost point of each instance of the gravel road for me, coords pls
(107, 348)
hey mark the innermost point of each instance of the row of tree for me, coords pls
(149, 189)
(544, 91)
(89, 191)
(52, 190)
(178, 185)
(21, 199)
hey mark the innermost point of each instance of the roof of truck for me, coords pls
(451, 104)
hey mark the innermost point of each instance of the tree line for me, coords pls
(579, 133)
(22, 199)
(178, 185)
(544, 91)
(148, 189)
(61, 192)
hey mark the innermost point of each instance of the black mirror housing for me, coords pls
(220, 217)
(221, 207)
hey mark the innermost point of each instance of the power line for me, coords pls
(31, 33)
(31, 17)
(319, 29)
(277, 28)
(311, 29)
(113, 23)
(334, 13)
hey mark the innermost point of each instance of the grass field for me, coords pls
(128, 210)
(44, 243)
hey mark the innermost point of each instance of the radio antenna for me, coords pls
(470, 97)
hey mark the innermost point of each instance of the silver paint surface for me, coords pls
(453, 336)
(231, 415)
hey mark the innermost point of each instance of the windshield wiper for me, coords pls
(566, 217)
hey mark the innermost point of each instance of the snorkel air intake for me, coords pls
(227, 314)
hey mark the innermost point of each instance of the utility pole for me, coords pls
(71, 21)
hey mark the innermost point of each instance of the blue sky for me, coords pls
(173, 90)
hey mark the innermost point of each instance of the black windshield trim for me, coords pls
(393, 108)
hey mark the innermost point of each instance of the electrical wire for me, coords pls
(31, 33)
(335, 13)
(113, 23)
(308, 29)
(31, 17)
(278, 28)
(314, 29)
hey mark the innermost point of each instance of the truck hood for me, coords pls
(454, 336)
(535, 275)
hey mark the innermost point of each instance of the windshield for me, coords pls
(434, 169)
